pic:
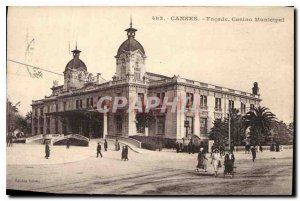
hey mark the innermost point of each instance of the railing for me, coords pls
(209, 86)
(131, 141)
(282, 147)
(77, 136)
(218, 109)
(203, 107)
(36, 137)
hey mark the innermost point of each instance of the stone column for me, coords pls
(105, 127)
(197, 115)
(180, 114)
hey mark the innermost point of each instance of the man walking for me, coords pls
(47, 151)
(99, 150)
(68, 143)
(253, 151)
(105, 145)
(126, 153)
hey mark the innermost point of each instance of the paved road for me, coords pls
(154, 173)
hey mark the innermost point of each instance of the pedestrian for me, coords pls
(216, 161)
(117, 145)
(190, 146)
(68, 143)
(202, 160)
(99, 150)
(177, 147)
(47, 151)
(7, 140)
(123, 153)
(159, 146)
(11, 141)
(105, 145)
(253, 151)
(126, 153)
(229, 162)
(260, 148)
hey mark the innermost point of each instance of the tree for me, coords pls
(15, 120)
(282, 132)
(259, 120)
(11, 112)
(220, 130)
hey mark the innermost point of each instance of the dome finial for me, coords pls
(130, 21)
(76, 52)
(131, 31)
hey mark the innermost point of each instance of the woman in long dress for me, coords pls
(202, 161)
(216, 161)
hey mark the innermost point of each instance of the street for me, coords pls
(147, 173)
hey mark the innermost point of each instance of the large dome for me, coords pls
(130, 45)
(76, 63)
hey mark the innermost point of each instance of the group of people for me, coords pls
(124, 153)
(216, 157)
(179, 147)
(99, 148)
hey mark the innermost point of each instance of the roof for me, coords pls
(130, 45)
(76, 63)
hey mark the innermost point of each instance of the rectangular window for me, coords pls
(80, 103)
(160, 125)
(203, 102)
(48, 121)
(141, 98)
(251, 106)
(137, 72)
(87, 103)
(230, 104)
(243, 107)
(119, 124)
(56, 107)
(92, 102)
(189, 100)
(48, 108)
(35, 130)
(218, 104)
(36, 112)
(64, 106)
(161, 97)
(56, 126)
(203, 125)
(42, 111)
(190, 128)
(77, 104)
(41, 130)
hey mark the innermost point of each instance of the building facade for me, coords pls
(72, 107)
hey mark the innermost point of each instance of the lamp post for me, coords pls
(229, 129)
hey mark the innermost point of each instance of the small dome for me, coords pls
(76, 63)
(130, 45)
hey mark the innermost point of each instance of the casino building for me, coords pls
(72, 107)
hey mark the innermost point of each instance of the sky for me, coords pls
(229, 54)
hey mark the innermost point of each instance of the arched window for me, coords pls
(137, 70)
(123, 68)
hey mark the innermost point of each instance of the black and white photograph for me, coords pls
(150, 100)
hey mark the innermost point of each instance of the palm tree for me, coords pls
(259, 120)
